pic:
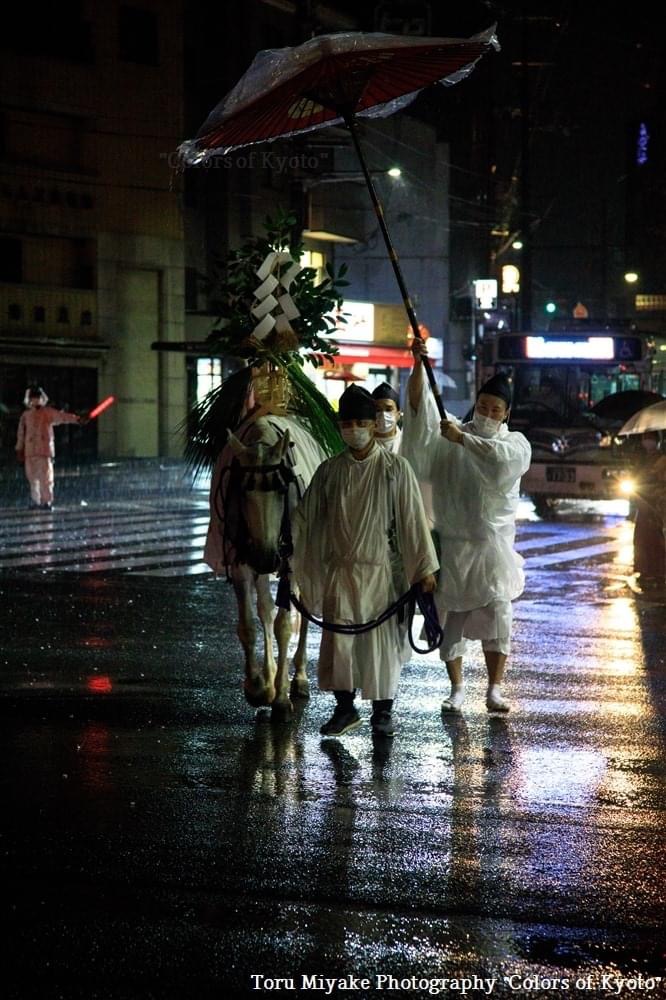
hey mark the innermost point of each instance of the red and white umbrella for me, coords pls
(333, 80)
(328, 80)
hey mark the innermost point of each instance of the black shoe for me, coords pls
(382, 724)
(47, 506)
(340, 723)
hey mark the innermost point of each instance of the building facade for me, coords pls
(91, 234)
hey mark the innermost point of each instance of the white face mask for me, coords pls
(385, 421)
(357, 437)
(485, 426)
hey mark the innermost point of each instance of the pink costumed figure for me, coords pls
(35, 445)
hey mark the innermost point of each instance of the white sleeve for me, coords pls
(309, 526)
(422, 442)
(414, 539)
(500, 461)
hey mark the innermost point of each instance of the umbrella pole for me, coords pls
(393, 257)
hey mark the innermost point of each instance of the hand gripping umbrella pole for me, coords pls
(350, 122)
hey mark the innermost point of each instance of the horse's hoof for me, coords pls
(299, 688)
(257, 695)
(282, 711)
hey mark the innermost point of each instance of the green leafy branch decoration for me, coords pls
(308, 311)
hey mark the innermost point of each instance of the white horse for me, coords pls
(258, 479)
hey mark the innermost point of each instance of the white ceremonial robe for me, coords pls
(475, 493)
(391, 443)
(343, 564)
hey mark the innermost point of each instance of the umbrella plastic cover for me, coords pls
(293, 90)
(652, 418)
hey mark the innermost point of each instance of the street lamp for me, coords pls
(348, 176)
(631, 278)
(307, 184)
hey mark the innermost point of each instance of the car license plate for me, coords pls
(557, 474)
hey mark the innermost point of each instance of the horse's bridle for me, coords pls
(286, 481)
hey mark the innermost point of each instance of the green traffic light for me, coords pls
(551, 307)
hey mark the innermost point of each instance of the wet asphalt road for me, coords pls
(158, 841)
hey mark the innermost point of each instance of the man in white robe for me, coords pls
(360, 516)
(387, 429)
(474, 469)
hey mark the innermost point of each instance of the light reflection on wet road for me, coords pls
(163, 843)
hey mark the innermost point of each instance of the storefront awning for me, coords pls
(56, 347)
(374, 356)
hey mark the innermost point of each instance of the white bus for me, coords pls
(558, 376)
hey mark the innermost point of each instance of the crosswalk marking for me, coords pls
(165, 538)
(147, 537)
(570, 555)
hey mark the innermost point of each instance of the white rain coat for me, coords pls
(344, 567)
(475, 493)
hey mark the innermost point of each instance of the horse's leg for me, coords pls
(278, 627)
(282, 708)
(300, 687)
(242, 579)
(266, 611)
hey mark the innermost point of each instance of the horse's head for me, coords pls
(263, 480)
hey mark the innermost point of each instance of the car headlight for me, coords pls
(626, 486)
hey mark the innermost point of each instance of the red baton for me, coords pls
(104, 405)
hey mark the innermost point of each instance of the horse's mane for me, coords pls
(258, 433)
(268, 428)
(221, 411)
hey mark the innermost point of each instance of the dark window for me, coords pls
(39, 314)
(85, 277)
(63, 314)
(11, 260)
(15, 312)
(137, 36)
(57, 31)
(86, 318)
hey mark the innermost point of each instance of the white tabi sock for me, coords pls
(494, 700)
(455, 700)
